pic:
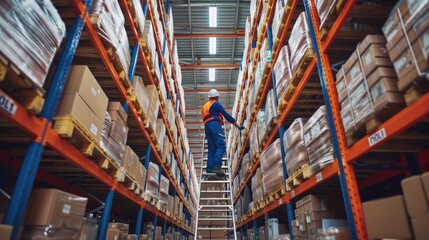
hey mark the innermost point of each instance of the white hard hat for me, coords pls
(213, 93)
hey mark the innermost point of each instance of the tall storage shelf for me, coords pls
(349, 171)
(61, 162)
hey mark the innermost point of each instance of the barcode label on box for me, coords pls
(319, 177)
(7, 104)
(308, 219)
(377, 137)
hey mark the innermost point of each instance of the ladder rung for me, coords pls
(214, 198)
(215, 228)
(215, 181)
(214, 219)
(215, 191)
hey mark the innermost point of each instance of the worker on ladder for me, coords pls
(213, 114)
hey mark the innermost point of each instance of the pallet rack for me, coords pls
(345, 156)
(39, 132)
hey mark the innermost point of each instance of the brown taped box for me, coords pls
(392, 213)
(82, 81)
(72, 104)
(318, 216)
(56, 208)
(406, 70)
(119, 131)
(341, 90)
(420, 227)
(117, 108)
(371, 40)
(425, 180)
(5, 231)
(415, 198)
(112, 234)
(389, 103)
(382, 73)
(129, 161)
(375, 56)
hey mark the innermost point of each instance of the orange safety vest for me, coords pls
(207, 117)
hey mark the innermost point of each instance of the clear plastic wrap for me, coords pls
(254, 142)
(282, 71)
(272, 178)
(278, 14)
(163, 190)
(299, 41)
(139, 16)
(295, 133)
(152, 184)
(30, 34)
(154, 104)
(296, 157)
(324, 7)
(320, 147)
(316, 126)
(108, 17)
(160, 132)
(271, 156)
(245, 163)
(270, 108)
(335, 233)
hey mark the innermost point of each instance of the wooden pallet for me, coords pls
(414, 93)
(331, 16)
(134, 16)
(276, 194)
(142, 114)
(20, 87)
(150, 199)
(299, 177)
(285, 98)
(282, 21)
(123, 75)
(68, 127)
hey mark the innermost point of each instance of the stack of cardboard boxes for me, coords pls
(132, 165)
(278, 15)
(117, 231)
(153, 97)
(296, 151)
(270, 109)
(367, 87)
(271, 167)
(152, 180)
(406, 31)
(84, 101)
(299, 42)
(314, 212)
(403, 216)
(282, 71)
(318, 140)
(58, 213)
(257, 190)
(163, 191)
(324, 8)
(109, 20)
(141, 94)
(116, 138)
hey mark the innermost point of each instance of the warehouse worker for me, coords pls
(213, 114)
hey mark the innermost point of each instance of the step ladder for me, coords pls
(215, 211)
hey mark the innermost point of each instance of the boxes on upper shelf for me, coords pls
(296, 151)
(271, 167)
(299, 42)
(367, 89)
(31, 56)
(152, 184)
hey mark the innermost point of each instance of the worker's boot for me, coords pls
(219, 172)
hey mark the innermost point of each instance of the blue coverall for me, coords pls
(216, 137)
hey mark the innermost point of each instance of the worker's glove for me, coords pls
(241, 128)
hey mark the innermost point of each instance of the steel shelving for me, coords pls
(345, 156)
(40, 131)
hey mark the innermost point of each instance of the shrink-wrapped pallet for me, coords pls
(257, 190)
(107, 16)
(163, 190)
(152, 184)
(271, 163)
(154, 104)
(31, 32)
(277, 19)
(324, 8)
(141, 94)
(254, 142)
(282, 71)
(296, 151)
(160, 132)
(260, 124)
(318, 140)
(129, 161)
(367, 87)
(270, 109)
(299, 41)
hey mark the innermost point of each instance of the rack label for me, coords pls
(280, 201)
(319, 177)
(7, 104)
(377, 137)
(292, 193)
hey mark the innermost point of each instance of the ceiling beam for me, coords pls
(207, 66)
(208, 35)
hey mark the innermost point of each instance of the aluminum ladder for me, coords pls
(215, 210)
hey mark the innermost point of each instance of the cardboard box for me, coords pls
(112, 234)
(415, 197)
(420, 227)
(73, 105)
(425, 180)
(119, 131)
(141, 94)
(89, 229)
(406, 70)
(391, 212)
(82, 81)
(318, 216)
(5, 231)
(56, 208)
(380, 74)
(118, 109)
(375, 56)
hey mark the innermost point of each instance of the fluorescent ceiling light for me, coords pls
(212, 16)
(212, 74)
(212, 45)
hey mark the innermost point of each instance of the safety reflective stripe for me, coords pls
(205, 112)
